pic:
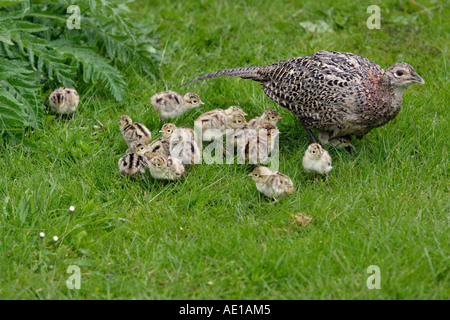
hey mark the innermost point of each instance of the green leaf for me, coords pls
(6, 15)
(98, 68)
(24, 26)
(4, 3)
(11, 111)
(39, 52)
(5, 36)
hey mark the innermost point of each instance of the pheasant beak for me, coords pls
(418, 79)
(249, 175)
(160, 131)
(352, 149)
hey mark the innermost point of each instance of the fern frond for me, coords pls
(37, 50)
(12, 114)
(95, 67)
(23, 85)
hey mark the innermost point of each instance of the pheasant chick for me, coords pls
(134, 162)
(257, 147)
(268, 116)
(272, 184)
(64, 100)
(166, 168)
(133, 131)
(317, 160)
(170, 104)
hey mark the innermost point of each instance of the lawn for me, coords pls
(211, 235)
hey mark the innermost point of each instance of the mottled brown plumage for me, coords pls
(339, 94)
(133, 131)
(134, 162)
(64, 100)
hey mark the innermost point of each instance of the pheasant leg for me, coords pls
(310, 135)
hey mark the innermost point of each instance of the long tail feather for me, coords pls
(244, 72)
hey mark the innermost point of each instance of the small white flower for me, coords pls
(55, 238)
(41, 234)
(72, 209)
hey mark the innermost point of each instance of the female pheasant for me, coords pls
(339, 94)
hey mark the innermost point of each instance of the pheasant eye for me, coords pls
(399, 73)
(313, 151)
(194, 101)
(256, 174)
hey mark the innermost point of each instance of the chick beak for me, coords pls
(160, 131)
(249, 175)
(280, 118)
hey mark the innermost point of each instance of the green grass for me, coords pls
(212, 235)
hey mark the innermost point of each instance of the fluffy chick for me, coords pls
(133, 131)
(268, 116)
(171, 132)
(258, 146)
(171, 104)
(64, 100)
(155, 148)
(235, 121)
(343, 143)
(317, 160)
(217, 122)
(272, 184)
(186, 151)
(182, 144)
(228, 111)
(235, 109)
(167, 130)
(134, 146)
(158, 147)
(166, 168)
(134, 162)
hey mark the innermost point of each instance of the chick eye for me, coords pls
(169, 131)
(255, 174)
(399, 73)
(313, 151)
(239, 121)
(194, 101)
(273, 118)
